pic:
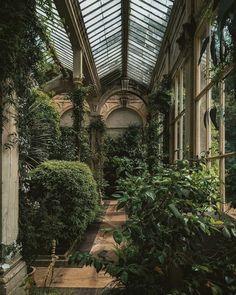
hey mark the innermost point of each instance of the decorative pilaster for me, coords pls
(12, 268)
(97, 130)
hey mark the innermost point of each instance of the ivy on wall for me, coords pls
(158, 102)
(78, 98)
(97, 130)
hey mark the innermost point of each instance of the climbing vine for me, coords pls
(23, 38)
(97, 130)
(158, 122)
(78, 98)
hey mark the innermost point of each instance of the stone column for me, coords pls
(77, 67)
(96, 145)
(12, 268)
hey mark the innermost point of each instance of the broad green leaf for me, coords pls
(226, 233)
(203, 49)
(233, 231)
(175, 211)
(124, 277)
(118, 236)
(97, 265)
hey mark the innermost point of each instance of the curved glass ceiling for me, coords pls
(58, 36)
(108, 26)
(102, 20)
(147, 24)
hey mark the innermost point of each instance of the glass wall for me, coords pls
(215, 112)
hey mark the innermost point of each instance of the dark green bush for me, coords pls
(62, 201)
(175, 240)
(66, 148)
(127, 152)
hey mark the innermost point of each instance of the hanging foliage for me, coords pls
(158, 122)
(223, 37)
(78, 98)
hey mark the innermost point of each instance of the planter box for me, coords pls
(83, 245)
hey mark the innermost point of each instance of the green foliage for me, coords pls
(231, 184)
(158, 124)
(175, 241)
(78, 98)
(38, 132)
(125, 153)
(97, 130)
(98, 125)
(62, 201)
(44, 123)
(66, 148)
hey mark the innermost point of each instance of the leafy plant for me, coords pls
(127, 150)
(78, 98)
(62, 201)
(175, 241)
(158, 124)
(66, 148)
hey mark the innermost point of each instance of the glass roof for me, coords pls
(147, 23)
(58, 36)
(103, 23)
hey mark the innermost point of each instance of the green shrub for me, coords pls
(62, 201)
(175, 241)
(66, 148)
(43, 123)
(127, 152)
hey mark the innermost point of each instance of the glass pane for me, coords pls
(203, 66)
(203, 126)
(230, 114)
(230, 184)
(214, 118)
(58, 36)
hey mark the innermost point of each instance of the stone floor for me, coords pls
(86, 277)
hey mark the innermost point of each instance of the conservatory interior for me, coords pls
(118, 147)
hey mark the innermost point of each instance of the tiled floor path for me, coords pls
(85, 280)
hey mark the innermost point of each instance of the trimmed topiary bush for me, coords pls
(64, 200)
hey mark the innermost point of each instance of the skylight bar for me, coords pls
(111, 69)
(145, 38)
(134, 58)
(151, 11)
(104, 70)
(143, 69)
(148, 25)
(138, 71)
(104, 28)
(110, 62)
(107, 43)
(99, 8)
(104, 37)
(116, 25)
(146, 34)
(107, 50)
(142, 49)
(132, 74)
(107, 19)
(108, 53)
(134, 9)
(141, 55)
(148, 4)
(140, 23)
(155, 48)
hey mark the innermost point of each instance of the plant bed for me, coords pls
(83, 245)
